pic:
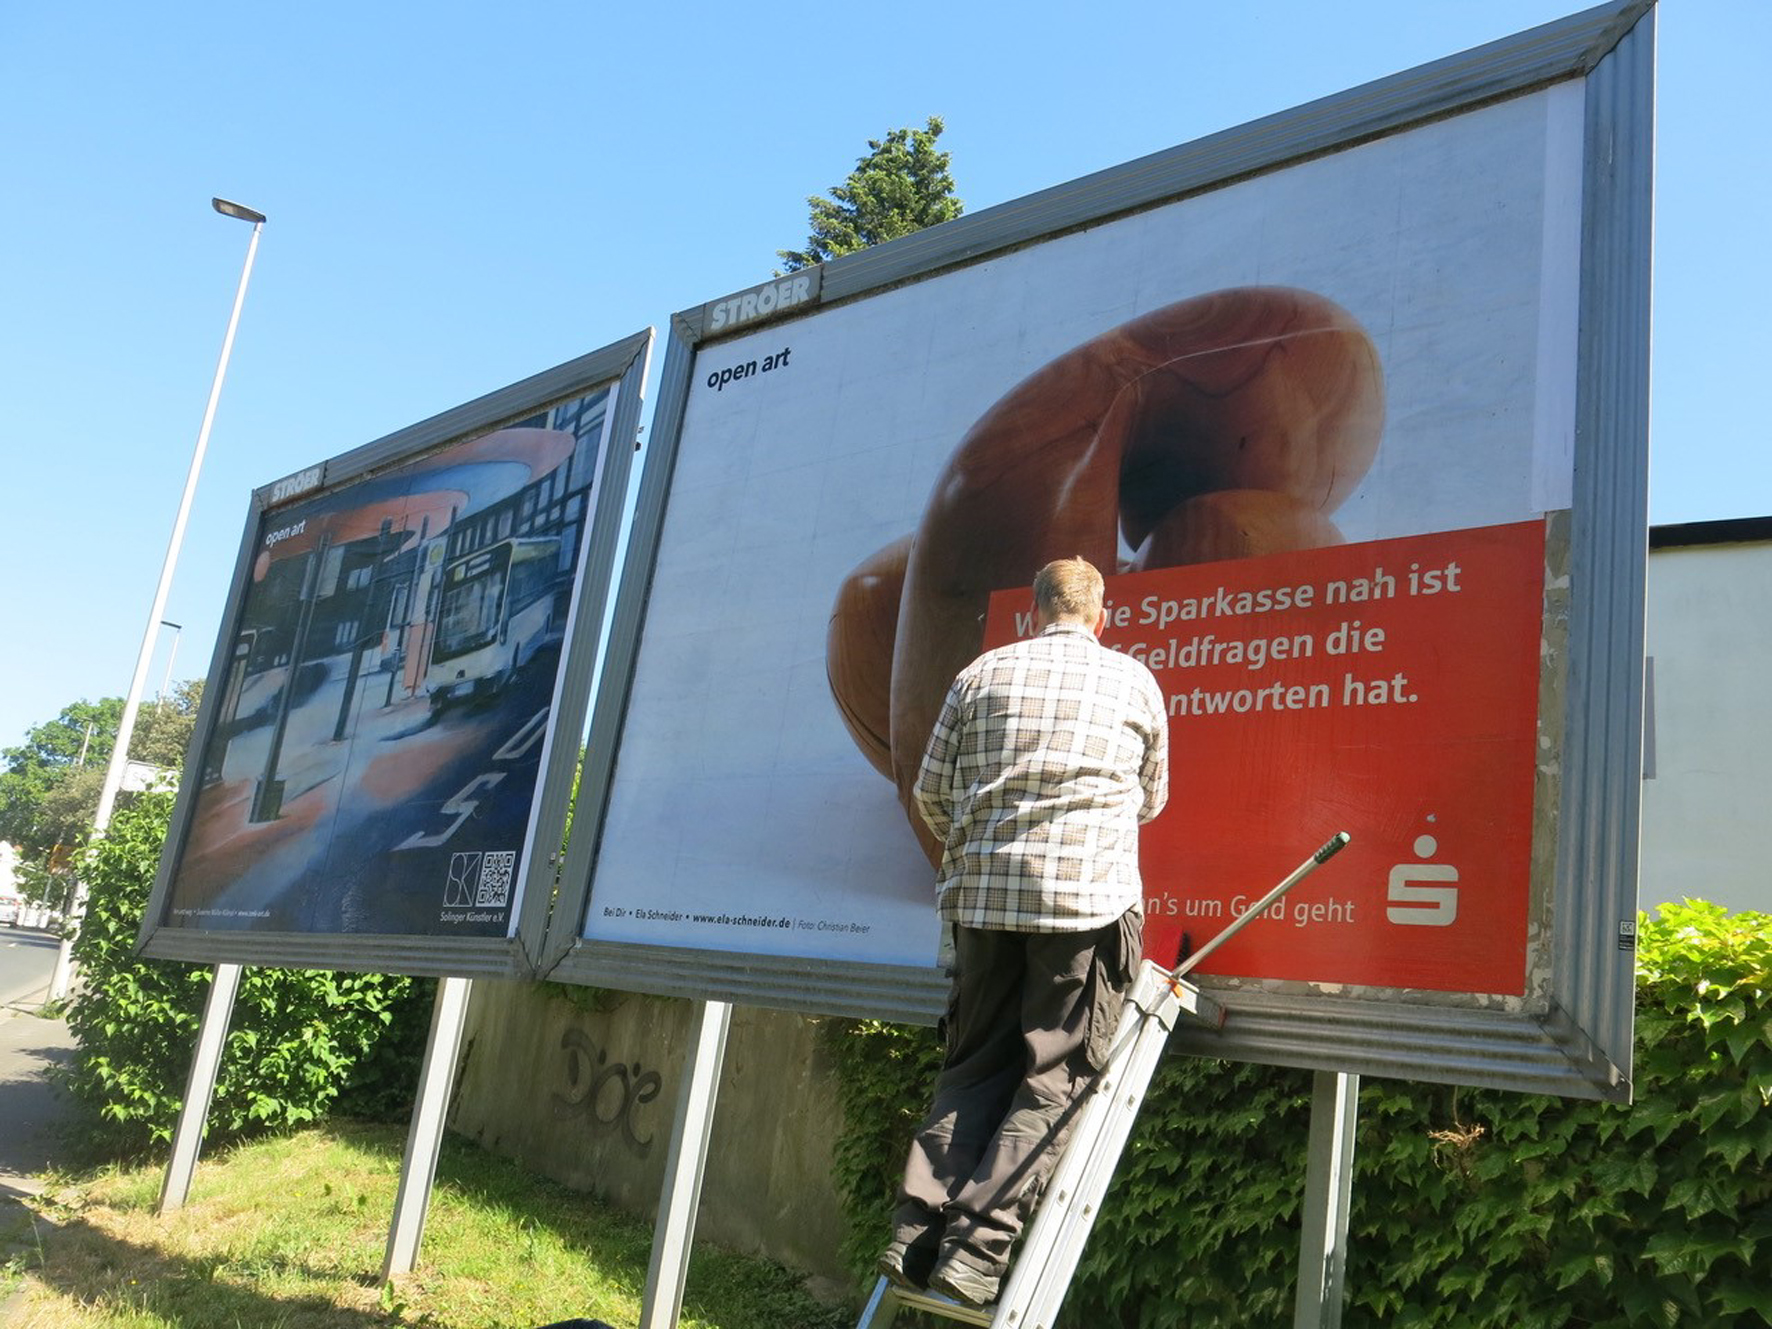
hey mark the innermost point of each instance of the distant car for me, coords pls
(11, 909)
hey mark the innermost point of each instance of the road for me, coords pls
(395, 876)
(412, 824)
(27, 962)
(29, 1105)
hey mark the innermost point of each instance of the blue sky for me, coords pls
(460, 196)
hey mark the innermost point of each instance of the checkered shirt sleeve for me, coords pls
(1047, 756)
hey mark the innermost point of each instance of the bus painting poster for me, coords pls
(385, 698)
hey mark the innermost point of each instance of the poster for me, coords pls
(387, 691)
(1356, 369)
(1390, 686)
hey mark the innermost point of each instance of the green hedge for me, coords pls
(301, 1042)
(1471, 1208)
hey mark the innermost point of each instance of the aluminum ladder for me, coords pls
(1054, 1241)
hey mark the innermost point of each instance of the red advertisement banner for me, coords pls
(1388, 689)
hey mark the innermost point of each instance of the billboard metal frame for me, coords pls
(620, 366)
(1574, 1036)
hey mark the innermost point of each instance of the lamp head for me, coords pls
(238, 210)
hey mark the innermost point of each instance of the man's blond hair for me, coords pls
(1069, 588)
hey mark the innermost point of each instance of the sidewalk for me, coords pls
(29, 1109)
(29, 1105)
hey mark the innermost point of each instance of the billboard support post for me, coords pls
(674, 1235)
(1328, 1191)
(187, 1137)
(418, 1169)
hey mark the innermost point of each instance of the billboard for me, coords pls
(1350, 405)
(398, 689)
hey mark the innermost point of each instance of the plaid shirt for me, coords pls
(1047, 756)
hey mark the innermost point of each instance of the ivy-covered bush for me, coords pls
(297, 1041)
(885, 1075)
(1471, 1208)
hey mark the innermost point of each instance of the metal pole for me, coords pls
(212, 1035)
(674, 1234)
(58, 987)
(1328, 1191)
(171, 655)
(418, 1170)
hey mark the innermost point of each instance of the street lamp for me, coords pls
(171, 655)
(237, 210)
(107, 800)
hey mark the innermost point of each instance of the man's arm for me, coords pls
(935, 777)
(1153, 774)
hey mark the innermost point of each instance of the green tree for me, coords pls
(49, 789)
(79, 739)
(902, 185)
(163, 727)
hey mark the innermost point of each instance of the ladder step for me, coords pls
(930, 1303)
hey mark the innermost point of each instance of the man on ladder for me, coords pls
(1047, 756)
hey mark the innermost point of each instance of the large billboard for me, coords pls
(1349, 404)
(399, 685)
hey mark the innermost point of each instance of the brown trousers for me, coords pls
(1029, 1024)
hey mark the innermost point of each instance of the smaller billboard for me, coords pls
(410, 629)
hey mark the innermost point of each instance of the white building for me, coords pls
(1707, 818)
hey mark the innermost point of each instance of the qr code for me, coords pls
(495, 879)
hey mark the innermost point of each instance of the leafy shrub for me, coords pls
(297, 1040)
(383, 1083)
(1471, 1208)
(885, 1074)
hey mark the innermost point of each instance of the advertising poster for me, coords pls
(1390, 685)
(1317, 425)
(385, 702)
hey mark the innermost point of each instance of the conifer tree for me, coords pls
(901, 185)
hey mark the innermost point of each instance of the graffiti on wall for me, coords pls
(609, 1096)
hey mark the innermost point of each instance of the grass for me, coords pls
(290, 1233)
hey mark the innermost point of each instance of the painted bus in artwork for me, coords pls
(495, 611)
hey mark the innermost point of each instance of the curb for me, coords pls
(25, 1003)
(27, 1000)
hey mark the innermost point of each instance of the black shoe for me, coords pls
(907, 1264)
(960, 1282)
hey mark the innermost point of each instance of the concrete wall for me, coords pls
(1707, 822)
(587, 1097)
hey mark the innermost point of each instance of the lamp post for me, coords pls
(171, 655)
(107, 800)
